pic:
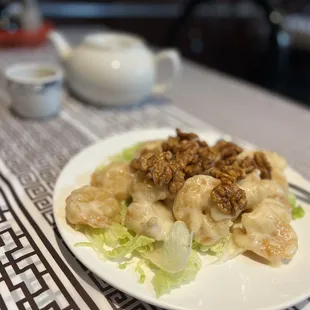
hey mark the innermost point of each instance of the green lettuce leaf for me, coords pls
(135, 244)
(215, 249)
(223, 250)
(124, 205)
(123, 265)
(164, 282)
(127, 154)
(172, 254)
(173, 260)
(116, 237)
(297, 210)
(140, 271)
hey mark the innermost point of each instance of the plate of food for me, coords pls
(187, 221)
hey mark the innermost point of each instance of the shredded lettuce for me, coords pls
(140, 271)
(116, 237)
(131, 246)
(164, 282)
(173, 260)
(297, 211)
(126, 154)
(224, 250)
(123, 265)
(229, 251)
(124, 205)
(83, 244)
(215, 249)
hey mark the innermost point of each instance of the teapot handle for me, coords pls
(172, 56)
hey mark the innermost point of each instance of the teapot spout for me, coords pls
(62, 46)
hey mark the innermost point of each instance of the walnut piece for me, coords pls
(229, 198)
(248, 164)
(158, 167)
(186, 136)
(177, 182)
(227, 149)
(263, 165)
(227, 173)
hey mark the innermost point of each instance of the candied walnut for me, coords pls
(229, 198)
(186, 136)
(160, 169)
(188, 145)
(226, 178)
(227, 149)
(208, 158)
(192, 170)
(202, 143)
(146, 159)
(263, 165)
(228, 161)
(171, 144)
(235, 170)
(207, 164)
(185, 156)
(216, 172)
(177, 182)
(207, 152)
(248, 164)
(228, 174)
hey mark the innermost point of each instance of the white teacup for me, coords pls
(35, 89)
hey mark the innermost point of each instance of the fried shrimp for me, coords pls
(195, 208)
(148, 214)
(115, 178)
(93, 206)
(266, 231)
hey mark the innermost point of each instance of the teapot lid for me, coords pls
(113, 41)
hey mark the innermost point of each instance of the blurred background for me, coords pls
(263, 42)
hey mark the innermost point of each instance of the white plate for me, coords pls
(240, 284)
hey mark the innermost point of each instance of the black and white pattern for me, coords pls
(37, 270)
(32, 155)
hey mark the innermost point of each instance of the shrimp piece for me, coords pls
(266, 231)
(147, 214)
(257, 191)
(278, 165)
(143, 190)
(93, 206)
(279, 176)
(252, 176)
(195, 208)
(276, 161)
(150, 219)
(115, 178)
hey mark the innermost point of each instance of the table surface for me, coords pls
(211, 98)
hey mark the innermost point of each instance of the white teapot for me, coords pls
(113, 68)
